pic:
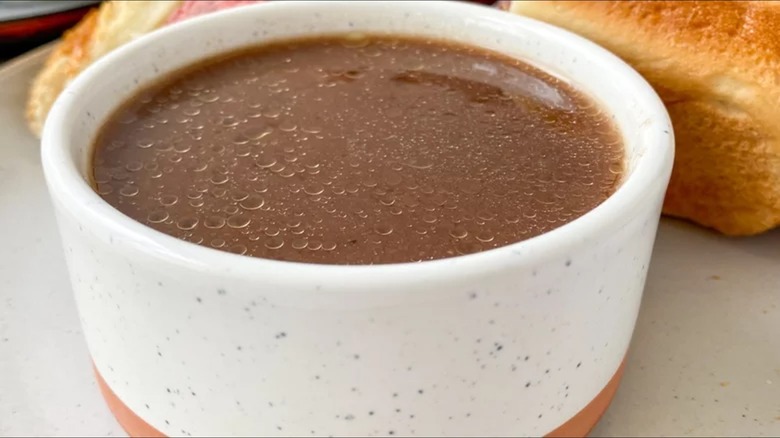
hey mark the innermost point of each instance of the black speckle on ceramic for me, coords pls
(385, 352)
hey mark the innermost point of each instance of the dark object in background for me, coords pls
(27, 24)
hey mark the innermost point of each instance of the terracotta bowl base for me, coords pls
(578, 426)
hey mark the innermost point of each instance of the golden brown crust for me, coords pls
(100, 31)
(716, 65)
(62, 65)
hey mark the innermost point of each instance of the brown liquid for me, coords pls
(358, 151)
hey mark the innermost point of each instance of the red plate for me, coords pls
(25, 24)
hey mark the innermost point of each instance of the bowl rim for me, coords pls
(70, 191)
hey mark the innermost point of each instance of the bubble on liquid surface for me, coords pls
(376, 154)
(214, 222)
(158, 216)
(265, 162)
(238, 221)
(313, 188)
(187, 223)
(257, 132)
(383, 229)
(169, 200)
(458, 232)
(128, 190)
(274, 243)
(134, 166)
(240, 249)
(484, 236)
(252, 202)
(219, 178)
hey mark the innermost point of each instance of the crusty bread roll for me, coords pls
(716, 65)
(102, 30)
(116, 22)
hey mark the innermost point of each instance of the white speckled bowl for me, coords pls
(526, 339)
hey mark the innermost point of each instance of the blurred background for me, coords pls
(26, 24)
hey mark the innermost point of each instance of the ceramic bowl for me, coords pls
(526, 339)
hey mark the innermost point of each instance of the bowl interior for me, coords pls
(98, 91)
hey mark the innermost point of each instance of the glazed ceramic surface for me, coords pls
(516, 340)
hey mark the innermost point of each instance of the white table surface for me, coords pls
(705, 358)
